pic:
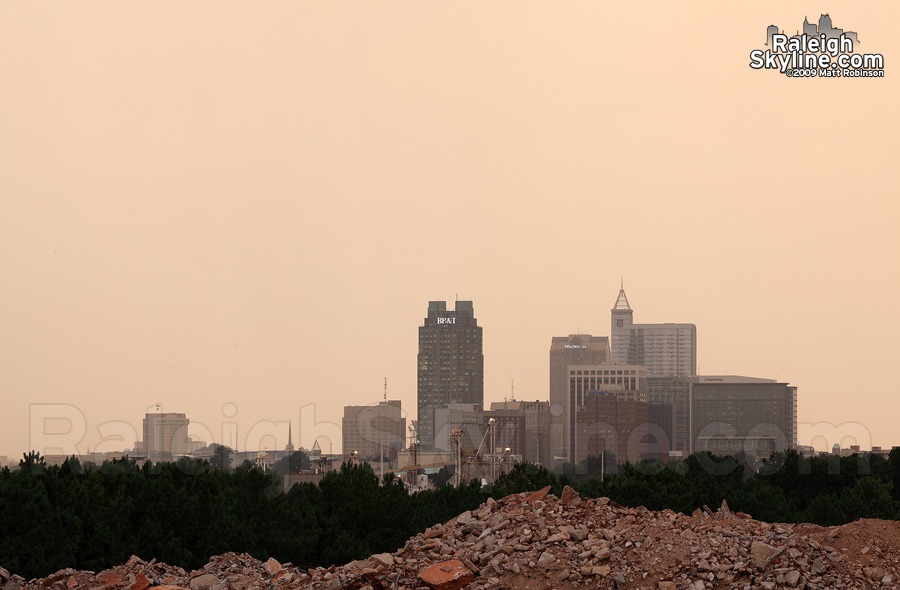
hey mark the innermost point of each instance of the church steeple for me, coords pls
(290, 445)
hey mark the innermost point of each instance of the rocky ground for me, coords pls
(534, 541)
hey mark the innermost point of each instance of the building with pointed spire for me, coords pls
(665, 349)
(669, 352)
(290, 444)
(622, 318)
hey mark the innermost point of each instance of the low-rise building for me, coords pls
(535, 447)
(626, 383)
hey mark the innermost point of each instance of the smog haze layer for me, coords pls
(240, 210)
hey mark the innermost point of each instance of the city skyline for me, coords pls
(594, 347)
(238, 211)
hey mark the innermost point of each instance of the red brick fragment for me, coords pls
(538, 495)
(569, 495)
(448, 575)
(140, 582)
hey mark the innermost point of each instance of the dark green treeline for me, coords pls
(93, 517)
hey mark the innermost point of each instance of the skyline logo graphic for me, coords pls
(820, 50)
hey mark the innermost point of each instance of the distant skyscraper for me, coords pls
(166, 436)
(450, 363)
(665, 349)
(574, 349)
(669, 351)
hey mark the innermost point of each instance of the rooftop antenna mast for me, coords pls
(381, 436)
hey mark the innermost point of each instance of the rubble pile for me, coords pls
(532, 541)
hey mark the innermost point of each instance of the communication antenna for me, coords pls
(512, 390)
(381, 436)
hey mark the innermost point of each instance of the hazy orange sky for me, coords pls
(214, 202)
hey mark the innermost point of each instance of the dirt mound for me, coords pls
(531, 541)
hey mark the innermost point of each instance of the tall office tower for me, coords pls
(166, 436)
(665, 349)
(373, 431)
(574, 349)
(450, 364)
(622, 319)
(669, 351)
(733, 414)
